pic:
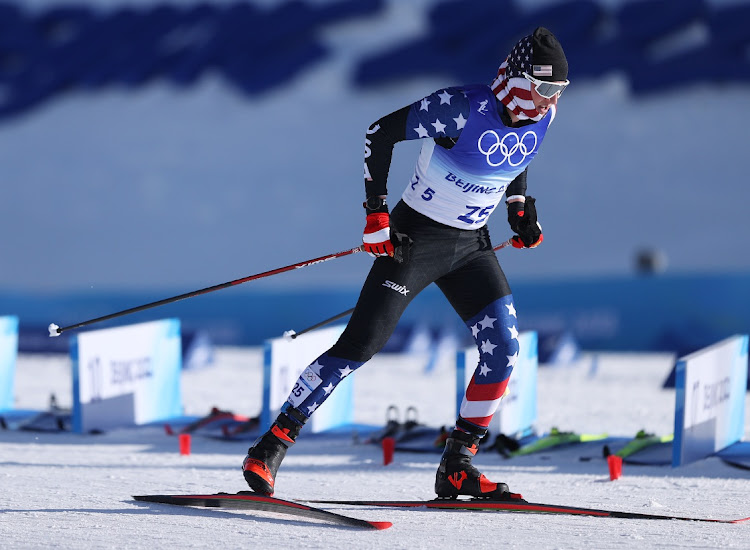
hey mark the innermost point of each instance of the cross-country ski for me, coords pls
(482, 505)
(251, 501)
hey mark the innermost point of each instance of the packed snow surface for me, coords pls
(65, 490)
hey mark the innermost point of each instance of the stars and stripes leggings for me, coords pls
(465, 268)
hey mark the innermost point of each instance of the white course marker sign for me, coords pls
(710, 400)
(8, 356)
(126, 376)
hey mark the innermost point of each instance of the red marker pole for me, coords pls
(389, 446)
(184, 440)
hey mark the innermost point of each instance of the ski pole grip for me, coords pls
(401, 246)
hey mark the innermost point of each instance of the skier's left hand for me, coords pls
(523, 221)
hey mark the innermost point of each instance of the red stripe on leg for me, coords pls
(485, 392)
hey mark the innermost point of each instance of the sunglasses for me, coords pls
(545, 89)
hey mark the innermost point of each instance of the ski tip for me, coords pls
(740, 520)
(380, 525)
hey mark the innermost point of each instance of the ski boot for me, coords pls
(264, 457)
(457, 476)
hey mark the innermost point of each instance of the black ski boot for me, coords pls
(264, 457)
(457, 476)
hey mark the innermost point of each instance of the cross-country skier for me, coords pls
(478, 142)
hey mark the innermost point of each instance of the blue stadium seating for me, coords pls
(258, 48)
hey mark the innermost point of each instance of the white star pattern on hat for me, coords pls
(520, 58)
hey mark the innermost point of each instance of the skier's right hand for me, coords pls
(377, 235)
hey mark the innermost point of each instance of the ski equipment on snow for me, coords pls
(554, 439)
(641, 441)
(517, 506)
(245, 500)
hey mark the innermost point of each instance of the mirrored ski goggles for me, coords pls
(547, 89)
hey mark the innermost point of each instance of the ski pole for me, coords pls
(290, 334)
(55, 330)
(503, 245)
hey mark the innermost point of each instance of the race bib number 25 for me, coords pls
(476, 214)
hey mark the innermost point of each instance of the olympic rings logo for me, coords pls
(508, 146)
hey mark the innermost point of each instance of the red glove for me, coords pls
(517, 242)
(377, 235)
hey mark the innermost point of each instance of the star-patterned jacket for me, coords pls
(457, 182)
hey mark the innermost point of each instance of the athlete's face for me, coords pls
(542, 103)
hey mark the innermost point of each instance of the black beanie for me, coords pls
(546, 60)
(547, 57)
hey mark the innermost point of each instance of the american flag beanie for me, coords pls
(539, 55)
